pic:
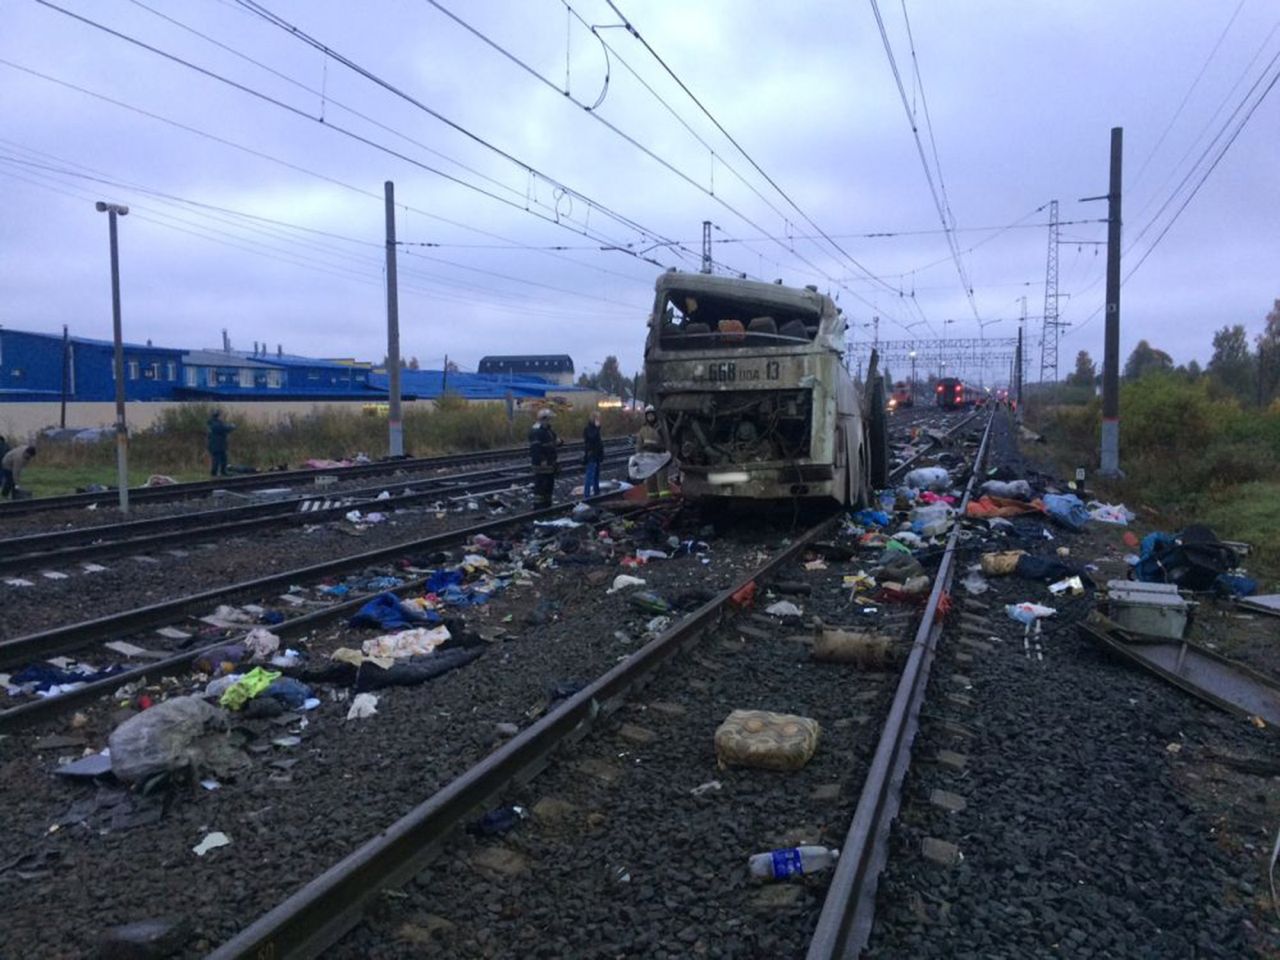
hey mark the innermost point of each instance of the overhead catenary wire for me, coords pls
(552, 215)
(673, 245)
(1213, 165)
(631, 29)
(1186, 96)
(292, 255)
(298, 168)
(924, 162)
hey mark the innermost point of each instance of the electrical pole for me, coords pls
(1110, 460)
(1017, 383)
(113, 210)
(66, 357)
(394, 422)
(706, 246)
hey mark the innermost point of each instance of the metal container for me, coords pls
(1155, 609)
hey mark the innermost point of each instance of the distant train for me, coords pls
(902, 396)
(952, 393)
(752, 393)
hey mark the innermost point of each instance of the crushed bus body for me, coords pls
(751, 390)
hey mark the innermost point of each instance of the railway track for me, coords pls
(36, 552)
(171, 626)
(275, 479)
(311, 921)
(456, 745)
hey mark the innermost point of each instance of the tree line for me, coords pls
(1249, 372)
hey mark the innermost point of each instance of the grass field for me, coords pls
(54, 481)
(175, 446)
(1250, 512)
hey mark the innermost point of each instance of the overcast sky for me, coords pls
(1021, 97)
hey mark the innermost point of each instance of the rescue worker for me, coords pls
(542, 455)
(218, 430)
(649, 440)
(593, 455)
(11, 467)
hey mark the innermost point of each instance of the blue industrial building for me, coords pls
(228, 375)
(430, 384)
(32, 367)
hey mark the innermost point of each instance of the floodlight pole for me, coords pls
(395, 424)
(113, 210)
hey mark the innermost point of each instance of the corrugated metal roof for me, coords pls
(90, 342)
(429, 384)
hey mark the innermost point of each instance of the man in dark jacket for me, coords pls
(542, 454)
(218, 430)
(593, 455)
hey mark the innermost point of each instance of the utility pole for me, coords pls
(706, 246)
(66, 358)
(395, 424)
(1110, 460)
(114, 210)
(1017, 384)
(444, 378)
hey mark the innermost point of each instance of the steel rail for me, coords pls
(844, 925)
(182, 491)
(320, 913)
(114, 539)
(20, 650)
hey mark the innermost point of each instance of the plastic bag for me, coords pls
(160, 739)
(928, 478)
(932, 520)
(1013, 490)
(1067, 509)
(1028, 613)
(1116, 513)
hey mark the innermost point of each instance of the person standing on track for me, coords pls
(542, 455)
(218, 430)
(11, 467)
(593, 455)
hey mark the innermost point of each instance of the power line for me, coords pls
(555, 214)
(562, 190)
(1213, 166)
(252, 151)
(1203, 178)
(1187, 96)
(279, 254)
(1208, 124)
(938, 203)
(728, 136)
(324, 96)
(1208, 148)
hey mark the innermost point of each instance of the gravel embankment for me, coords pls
(132, 581)
(1095, 823)
(298, 809)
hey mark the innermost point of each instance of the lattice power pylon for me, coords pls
(1049, 335)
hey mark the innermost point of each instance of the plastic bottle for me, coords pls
(791, 862)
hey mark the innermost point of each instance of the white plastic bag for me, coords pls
(160, 739)
(928, 478)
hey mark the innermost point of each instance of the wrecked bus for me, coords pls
(751, 390)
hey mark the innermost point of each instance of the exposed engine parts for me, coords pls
(713, 429)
